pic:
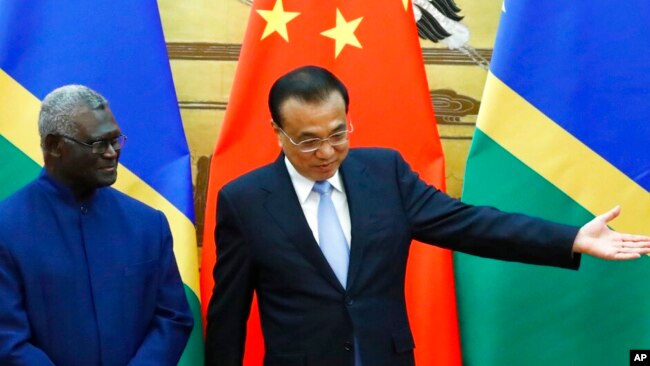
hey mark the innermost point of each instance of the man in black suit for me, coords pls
(348, 308)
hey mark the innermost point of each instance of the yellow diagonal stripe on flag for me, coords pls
(18, 124)
(560, 158)
(19, 117)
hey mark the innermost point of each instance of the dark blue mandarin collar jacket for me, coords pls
(87, 283)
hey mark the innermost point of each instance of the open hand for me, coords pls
(598, 240)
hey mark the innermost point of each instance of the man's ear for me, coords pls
(52, 145)
(278, 133)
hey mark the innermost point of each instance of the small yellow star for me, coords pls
(276, 20)
(343, 33)
(405, 3)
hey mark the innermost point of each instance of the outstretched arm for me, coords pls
(598, 240)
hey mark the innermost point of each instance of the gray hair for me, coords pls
(61, 105)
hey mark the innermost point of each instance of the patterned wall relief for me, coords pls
(453, 109)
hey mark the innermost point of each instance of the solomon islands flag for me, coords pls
(562, 134)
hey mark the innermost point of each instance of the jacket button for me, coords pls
(349, 300)
(347, 346)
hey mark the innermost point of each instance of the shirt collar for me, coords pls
(303, 185)
(46, 180)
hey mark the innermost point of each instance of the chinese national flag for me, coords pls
(372, 46)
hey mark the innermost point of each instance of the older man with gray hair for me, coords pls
(87, 274)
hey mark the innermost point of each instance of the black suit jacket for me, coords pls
(264, 244)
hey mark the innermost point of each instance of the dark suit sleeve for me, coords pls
(230, 304)
(172, 323)
(436, 218)
(15, 334)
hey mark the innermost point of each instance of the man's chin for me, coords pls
(105, 180)
(321, 175)
(324, 172)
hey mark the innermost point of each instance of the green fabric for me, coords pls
(516, 314)
(16, 168)
(193, 354)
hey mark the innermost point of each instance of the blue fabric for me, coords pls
(330, 234)
(584, 64)
(87, 283)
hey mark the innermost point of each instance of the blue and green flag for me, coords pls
(563, 134)
(116, 48)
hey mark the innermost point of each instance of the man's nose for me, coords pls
(325, 149)
(110, 152)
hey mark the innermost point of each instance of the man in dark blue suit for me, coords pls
(87, 274)
(346, 306)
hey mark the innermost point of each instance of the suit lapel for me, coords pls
(359, 195)
(283, 205)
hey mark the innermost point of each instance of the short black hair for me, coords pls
(306, 83)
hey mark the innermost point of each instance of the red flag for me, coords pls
(372, 46)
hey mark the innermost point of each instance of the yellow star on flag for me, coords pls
(343, 33)
(276, 20)
(405, 3)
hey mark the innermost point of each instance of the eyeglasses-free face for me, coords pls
(100, 146)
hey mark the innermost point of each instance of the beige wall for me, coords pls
(203, 37)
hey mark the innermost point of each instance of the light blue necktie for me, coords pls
(330, 234)
(332, 242)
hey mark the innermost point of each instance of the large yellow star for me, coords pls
(276, 20)
(405, 3)
(343, 33)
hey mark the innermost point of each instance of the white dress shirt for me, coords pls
(309, 200)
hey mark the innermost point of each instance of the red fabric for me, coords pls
(390, 106)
